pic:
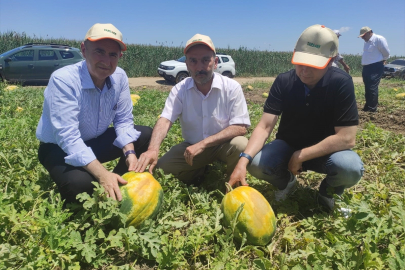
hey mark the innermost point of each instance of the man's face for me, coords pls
(102, 58)
(201, 63)
(366, 36)
(310, 76)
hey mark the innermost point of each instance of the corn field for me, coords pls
(143, 60)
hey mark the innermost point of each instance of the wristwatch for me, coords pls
(127, 153)
(246, 156)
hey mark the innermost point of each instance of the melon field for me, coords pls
(188, 232)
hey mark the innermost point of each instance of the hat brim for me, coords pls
(310, 60)
(122, 44)
(197, 43)
(363, 34)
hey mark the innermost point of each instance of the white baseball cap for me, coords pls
(199, 39)
(315, 47)
(105, 31)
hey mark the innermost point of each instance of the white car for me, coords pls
(176, 70)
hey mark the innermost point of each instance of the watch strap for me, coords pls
(246, 156)
(127, 153)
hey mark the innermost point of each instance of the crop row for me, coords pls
(143, 60)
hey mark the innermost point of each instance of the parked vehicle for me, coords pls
(394, 69)
(35, 62)
(176, 70)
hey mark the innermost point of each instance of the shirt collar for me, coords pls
(216, 83)
(87, 82)
(372, 38)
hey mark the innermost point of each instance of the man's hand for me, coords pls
(294, 165)
(149, 157)
(192, 151)
(238, 176)
(131, 162)
(110, 181)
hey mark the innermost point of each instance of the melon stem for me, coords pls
(228, 187)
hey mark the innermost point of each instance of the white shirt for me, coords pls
(203, 116)
(337, 59)
(375, 50)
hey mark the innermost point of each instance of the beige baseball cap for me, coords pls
(103, 31)
(364, 30)
(199, 39)
(315, 47)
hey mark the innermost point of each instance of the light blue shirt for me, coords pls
(76, 111)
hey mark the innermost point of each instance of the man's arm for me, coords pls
(224, 135)
(383, 48)
(131, 159)
(151, 156)
(259, 136)
(345, 66)
(344, 139)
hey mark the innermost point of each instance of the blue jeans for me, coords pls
(343, 169)
(371, 77)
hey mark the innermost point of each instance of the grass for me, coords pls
(36, 233)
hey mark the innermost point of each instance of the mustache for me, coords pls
(201, 72)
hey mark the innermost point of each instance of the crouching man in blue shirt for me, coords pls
(81, 101)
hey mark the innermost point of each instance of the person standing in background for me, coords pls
(339, 58)
(375, 54)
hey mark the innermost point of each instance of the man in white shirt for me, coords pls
(213, 116)
(375, 53)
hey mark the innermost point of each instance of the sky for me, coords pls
(252, 24)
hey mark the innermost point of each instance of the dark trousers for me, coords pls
(74, 180)
(371, 77)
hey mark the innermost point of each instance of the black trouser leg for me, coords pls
(371, 77)
(74, 180)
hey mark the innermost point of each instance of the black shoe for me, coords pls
(367, 109)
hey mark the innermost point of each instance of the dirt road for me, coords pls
(156, 81)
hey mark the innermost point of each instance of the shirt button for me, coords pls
(307, 104)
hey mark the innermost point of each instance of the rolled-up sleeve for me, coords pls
(173, 105)
(61, 106)
(124, 119)
(238, 110)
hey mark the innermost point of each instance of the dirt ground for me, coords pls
(383, 118)
(159, 81)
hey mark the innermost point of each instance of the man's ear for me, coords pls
(83, 49)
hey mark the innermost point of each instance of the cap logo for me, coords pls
(199, 39)
(112, 32)
(313, 45)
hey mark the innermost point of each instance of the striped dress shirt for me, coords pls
(75, 111)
